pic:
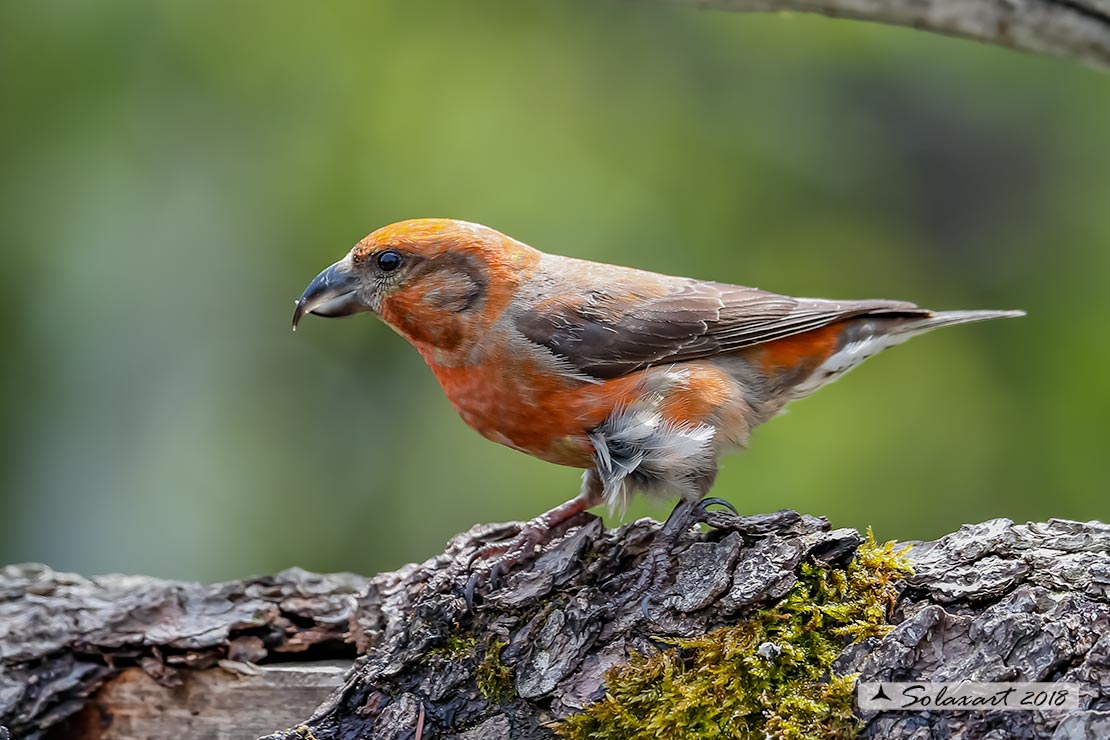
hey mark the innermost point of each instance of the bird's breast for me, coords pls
(544, 414)
(549, 415)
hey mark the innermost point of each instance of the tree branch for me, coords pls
(992, 602)
(1072, 29)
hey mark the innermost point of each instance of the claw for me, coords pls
(495, 572)
(705, 503)
(650, 577)
(503, 557)
(468, 591)
(490, 577)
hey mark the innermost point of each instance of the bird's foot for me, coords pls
(498, 558)
(493, 561)
(531, 536)
(649, 579)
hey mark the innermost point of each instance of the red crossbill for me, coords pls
(642, 379)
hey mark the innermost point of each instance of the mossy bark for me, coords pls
(758, 628)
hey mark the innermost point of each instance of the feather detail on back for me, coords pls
(630, 319)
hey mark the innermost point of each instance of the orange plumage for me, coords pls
(642, 379)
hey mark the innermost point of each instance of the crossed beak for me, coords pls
(332, 293)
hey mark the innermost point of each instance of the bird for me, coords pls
(641, 379)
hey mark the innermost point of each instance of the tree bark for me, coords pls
(1072, 29)
(126, 656)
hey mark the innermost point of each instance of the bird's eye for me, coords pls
(389, 260)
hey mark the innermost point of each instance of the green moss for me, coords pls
(495, 679)
(454, 649)
(720, 686)
(458, 647)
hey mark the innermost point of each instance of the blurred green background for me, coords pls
(173, 174)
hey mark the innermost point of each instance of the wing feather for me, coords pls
(610, 332)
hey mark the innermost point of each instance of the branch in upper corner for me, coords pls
(1071, 29)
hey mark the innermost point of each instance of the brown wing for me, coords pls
(608, 333)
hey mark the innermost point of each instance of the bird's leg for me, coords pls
(538, 531)
(653, 569)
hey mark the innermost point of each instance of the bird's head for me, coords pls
(438, 282)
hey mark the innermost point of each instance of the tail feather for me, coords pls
(866, 336)
(937, 319)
